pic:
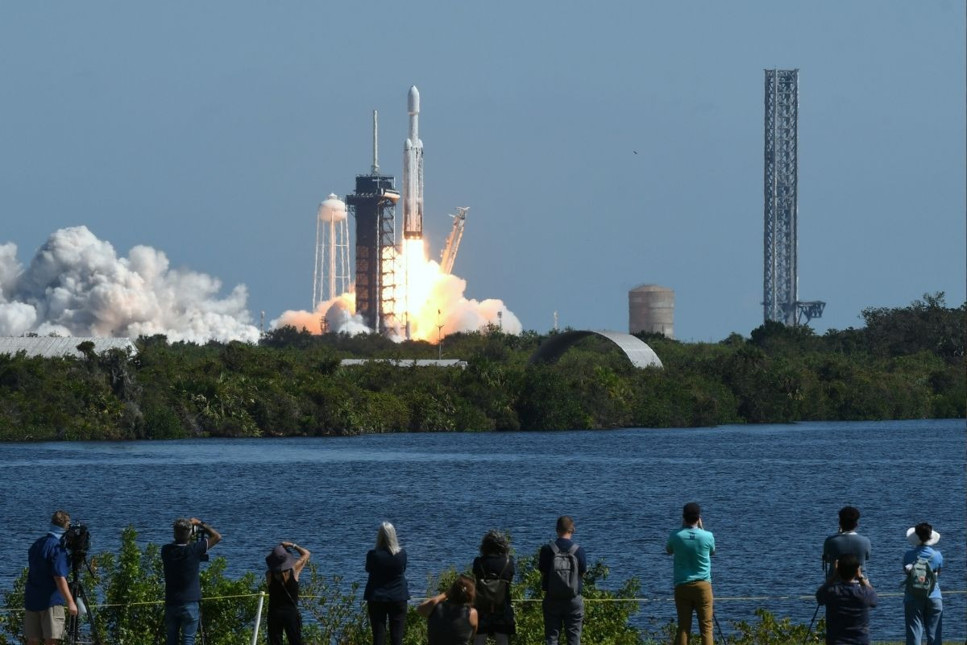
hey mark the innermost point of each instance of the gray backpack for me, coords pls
(564, 578)
(921, 578)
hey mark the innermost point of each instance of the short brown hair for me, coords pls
(565, 524)
(61, 519)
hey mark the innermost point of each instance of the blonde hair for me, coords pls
(386, 538)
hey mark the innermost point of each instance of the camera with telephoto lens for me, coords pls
(77, 539)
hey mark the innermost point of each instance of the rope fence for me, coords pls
(657, 599)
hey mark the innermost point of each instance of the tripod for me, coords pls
(73, 634)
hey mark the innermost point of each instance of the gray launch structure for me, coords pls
(780, 297)
(373, 204)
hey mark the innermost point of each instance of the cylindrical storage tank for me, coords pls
(651, 309)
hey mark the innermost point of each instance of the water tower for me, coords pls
(651, 309)
(331, 276)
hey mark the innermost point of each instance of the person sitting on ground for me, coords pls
(282, 580)
(848, 597)
(494, 571)
(450, 617)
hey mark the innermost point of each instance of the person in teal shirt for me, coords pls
(692, 547)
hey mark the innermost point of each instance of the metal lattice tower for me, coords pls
(373, 204)
(780, 283)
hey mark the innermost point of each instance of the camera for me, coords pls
(198, 532)
(77, 539)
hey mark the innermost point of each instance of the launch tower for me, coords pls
(781, 194)
(373, 203)
(780, 298)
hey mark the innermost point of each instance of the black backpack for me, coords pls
(492, 591)
(564, 578)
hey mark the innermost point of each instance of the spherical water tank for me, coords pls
(651, 309)
(332, 210)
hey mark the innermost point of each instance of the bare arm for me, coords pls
(426, 607)
(65, 591)
(473, 620)
(304, 556)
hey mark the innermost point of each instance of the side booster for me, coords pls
(413, 172)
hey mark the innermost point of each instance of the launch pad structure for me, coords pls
(780, 297)
(373, 204)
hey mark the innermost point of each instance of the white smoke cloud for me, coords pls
(76, 285)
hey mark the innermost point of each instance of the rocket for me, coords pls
(413, 171)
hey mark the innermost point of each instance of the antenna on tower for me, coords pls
(375, 143)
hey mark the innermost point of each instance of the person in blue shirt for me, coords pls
(182, 562)
(923, 614)
(848, 596)
(692, 547)
(46, 591)
(562, 609)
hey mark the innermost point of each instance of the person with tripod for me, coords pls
(182, 561)
(46, 591)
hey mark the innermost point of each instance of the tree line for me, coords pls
(903, 363)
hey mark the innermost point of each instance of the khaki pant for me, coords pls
(45, 625)
(694, 596)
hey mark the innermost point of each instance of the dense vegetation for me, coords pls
(903, 363)
(128, 590)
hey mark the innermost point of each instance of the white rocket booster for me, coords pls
(413, 172)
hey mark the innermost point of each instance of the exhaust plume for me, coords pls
(76, 285)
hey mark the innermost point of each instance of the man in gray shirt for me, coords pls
(847, 541)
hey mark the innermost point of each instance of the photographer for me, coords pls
(692, 547)
(182, 561)
(46, 590)
(848, 597)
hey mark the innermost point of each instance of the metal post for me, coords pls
(258, 619)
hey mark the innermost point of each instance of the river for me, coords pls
(770, 494)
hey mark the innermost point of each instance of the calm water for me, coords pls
(769, 493)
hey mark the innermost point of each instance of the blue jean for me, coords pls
(923, 615)
(181, 619)
(568, 614)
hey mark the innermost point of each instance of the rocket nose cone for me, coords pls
(413, 100)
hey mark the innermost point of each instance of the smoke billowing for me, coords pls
(435, 306)
(76, 285)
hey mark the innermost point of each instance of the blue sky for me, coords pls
(211, 131)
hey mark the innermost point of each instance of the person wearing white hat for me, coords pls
(922, 603)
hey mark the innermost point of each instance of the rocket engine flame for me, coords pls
(429, 298)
